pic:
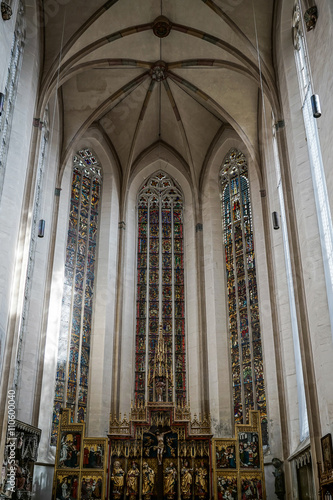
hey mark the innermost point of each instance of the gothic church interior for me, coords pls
(166, 248)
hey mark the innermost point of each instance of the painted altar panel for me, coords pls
(80, 466)
(238, 466)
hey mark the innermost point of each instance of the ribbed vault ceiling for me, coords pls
(114, 70)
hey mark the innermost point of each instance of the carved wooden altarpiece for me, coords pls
(159, 452)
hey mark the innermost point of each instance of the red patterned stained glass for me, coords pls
(160, 223)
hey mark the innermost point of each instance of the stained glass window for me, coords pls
(160, 285)
(244, 326)
(314, 150)
(11, 90)
(71, 388)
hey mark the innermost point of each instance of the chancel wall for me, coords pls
(209, 378)
(299, 182)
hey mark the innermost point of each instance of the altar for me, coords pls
(159, 452)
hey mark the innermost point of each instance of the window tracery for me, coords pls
(243, 309)
(71, 388)
(160, 286)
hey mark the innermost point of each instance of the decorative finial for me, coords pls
(161, 27)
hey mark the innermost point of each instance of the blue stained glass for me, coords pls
(160, 216)
(246, 352)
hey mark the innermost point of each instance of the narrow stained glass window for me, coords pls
(316, 161)
(160, 286)
(71, 389)
(11, 91)
(244, 326)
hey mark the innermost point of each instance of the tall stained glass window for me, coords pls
(71, 389)
(11, 90)
(314, 149)
(244, 326)
(160, 286)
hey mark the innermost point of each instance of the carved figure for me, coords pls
(117, 478)
(160, 444)
(132, 481)
(280, 489)
(170, 443)
(148, 479)
(170, 479)
(201, 480)
(186, 481)
(159, 390)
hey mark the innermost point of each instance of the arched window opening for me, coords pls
(244, 325)
(315, 157)
(72, 376)
(11, 91)
(160, 292)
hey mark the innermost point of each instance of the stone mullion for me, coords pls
(235, 282)
(147, 302)
(70, 322)
(139, 287)
(160, 260)
(84, 282)
(247, 294)
(173, 299)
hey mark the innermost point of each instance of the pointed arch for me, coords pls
(244, 324)
(160, 289)
(71, 387)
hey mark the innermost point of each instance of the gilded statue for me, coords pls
(201, 480)
(148, 479)
(170, 476)
(186, 480)
(132, 481)
(160, 444)
(118, 479)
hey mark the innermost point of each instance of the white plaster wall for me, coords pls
(265, 312)
(220, 379)
(101, 361)
(308, 234)
(33, 330)
(100, 372)
(282, 297)
(45, 452)
(219, 357)
(17, 162)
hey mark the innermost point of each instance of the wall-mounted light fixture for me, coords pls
(41, 228)
(315, 102)
(275, 217)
